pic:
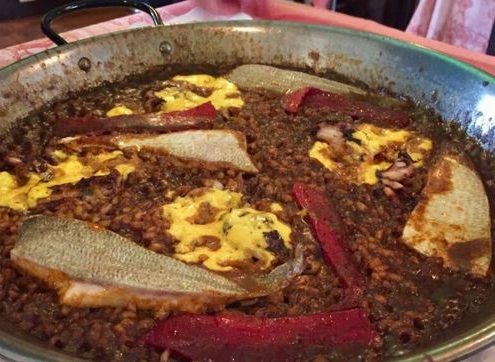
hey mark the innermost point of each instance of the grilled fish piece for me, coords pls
(218, 146)
(452, 219)
(257, 76)
(93, 267)
(202, 116)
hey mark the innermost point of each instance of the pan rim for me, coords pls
(467, 343)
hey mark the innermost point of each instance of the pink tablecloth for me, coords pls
(265, 9)
(465, 23)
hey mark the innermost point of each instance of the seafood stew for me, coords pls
(307, 219)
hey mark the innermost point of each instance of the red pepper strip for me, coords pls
(314, 97)
(329, 231)
(202, 116)
(232, 337)
(293, 100)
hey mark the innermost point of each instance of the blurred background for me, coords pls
(19, 19)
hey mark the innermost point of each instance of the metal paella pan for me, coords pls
(456, 91)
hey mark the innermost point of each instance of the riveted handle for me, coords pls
(89, 4)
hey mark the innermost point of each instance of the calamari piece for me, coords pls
(452, 220)
(256, 76)
(93, 267)
(218, 146)
(202, 116)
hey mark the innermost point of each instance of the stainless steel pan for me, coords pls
(457, 91)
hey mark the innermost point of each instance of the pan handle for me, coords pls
(88, 4)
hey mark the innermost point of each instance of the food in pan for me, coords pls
(258, 214)
(91, 267)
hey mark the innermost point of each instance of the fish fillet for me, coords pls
(452, 219)
(92, 267)
(255, 76)
(220, 146)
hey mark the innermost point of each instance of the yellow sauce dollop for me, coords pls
(224, 93)
(367, 142)
(238, 230)
(119, 111)
(70, 170)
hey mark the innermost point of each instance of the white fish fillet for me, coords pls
(92, 267)
(452, 219)
(220, 146)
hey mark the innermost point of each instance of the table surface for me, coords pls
(188, 11)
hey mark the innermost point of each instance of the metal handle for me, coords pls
(88, 4)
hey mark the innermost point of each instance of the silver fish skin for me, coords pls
(257, 76)
(93, 267)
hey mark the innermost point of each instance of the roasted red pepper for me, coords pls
(232, 337)
(328, 228)
(202, 116)
(314, 97)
